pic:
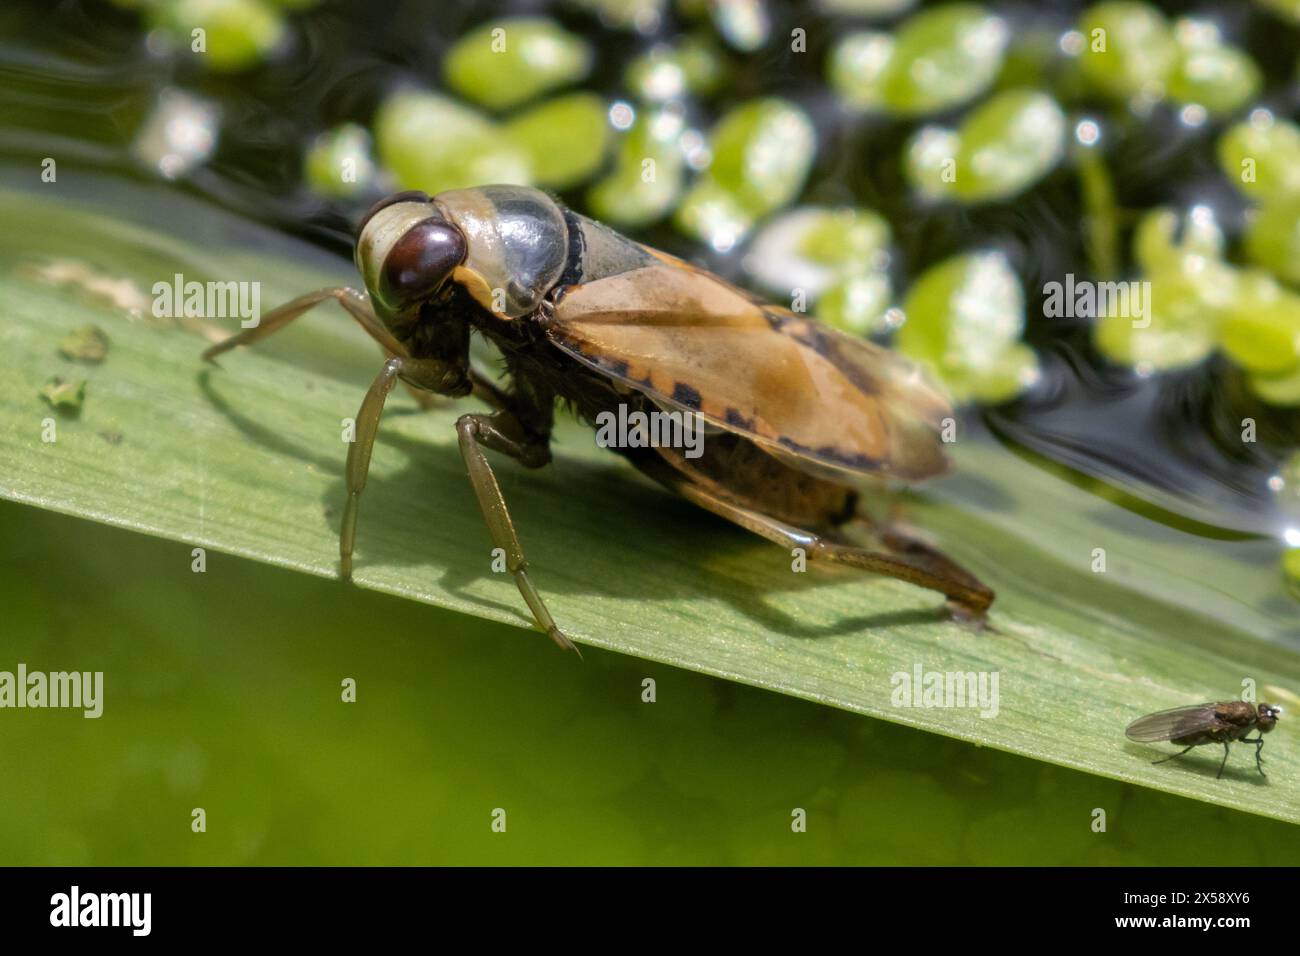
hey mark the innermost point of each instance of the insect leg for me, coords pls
(427, 374)
(1219, 775)
(356, 303)
(501, 432)
(1172, 756)
(936, 562)
(486, 391)
(972, 596)
(1259, 746)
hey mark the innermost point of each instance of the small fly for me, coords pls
(801, 417)
(1212, 723)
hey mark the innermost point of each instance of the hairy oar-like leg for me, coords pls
(427, 374)
(974, 598)
(1172, 756)
(356, 303)
(501, 432)
(936, 563)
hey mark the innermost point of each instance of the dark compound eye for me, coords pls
(420, 262)
(410, 195)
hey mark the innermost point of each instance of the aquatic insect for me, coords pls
(1212, 723)
(799, 416)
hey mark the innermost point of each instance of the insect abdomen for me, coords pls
(742, 472)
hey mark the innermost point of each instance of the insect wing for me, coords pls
(818, 399)
(1174, 723)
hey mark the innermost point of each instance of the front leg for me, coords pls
(1259, 746)
(428, 374)
(502, 432)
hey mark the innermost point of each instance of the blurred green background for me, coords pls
(234, 705)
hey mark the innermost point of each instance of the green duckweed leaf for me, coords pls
(340, 162)
(762, 152)
(237, 34)
(1261, 157)
(648, 176)
(964, 319)
(433, 143)
(938, 59)
(1128, 50)
(506, 62)
(1273, 237)
(565, 138)
(1001, 149)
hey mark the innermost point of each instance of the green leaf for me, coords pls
(693, 66)
(237, 34)
(1284, 8)
(433, 143)
(1129, 50)
(1001, 149)
(339, 162)
(1261, 332)
(813, 247)
(857, 304)
(1273, 238)
(762, 152)
(648, 174)
(564, 138)
(1213, 74)
(1261, 156)
(507, 62)
(938, 59)
(248, 459)
(1179, 331)
(964, 319)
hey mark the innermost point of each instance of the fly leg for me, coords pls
(427, 374)
(961, 589)
(1219, 775)
(1172, 756)
(502, 432)
(1259, 745)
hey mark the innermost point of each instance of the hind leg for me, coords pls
(967, 597)
(898, 541)
(1172, 756)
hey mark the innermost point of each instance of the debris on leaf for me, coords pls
(86, 343)
(64, 396)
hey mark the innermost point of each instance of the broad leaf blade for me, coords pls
(247, 459)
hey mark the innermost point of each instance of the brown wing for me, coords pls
(820, 400)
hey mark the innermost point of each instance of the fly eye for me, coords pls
(410, 195)
(419, 263)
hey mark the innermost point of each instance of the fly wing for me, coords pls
(1174, 723)
(817, 399)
